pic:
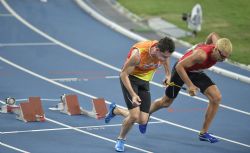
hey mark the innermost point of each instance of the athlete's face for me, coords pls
(221, 55)
(162, 56)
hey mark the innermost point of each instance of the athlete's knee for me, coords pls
(216, 98)
(213, 94)
(143, 121)
(134, 117)
(165, 101)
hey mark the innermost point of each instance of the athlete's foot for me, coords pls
(207, 137)
(110, 113)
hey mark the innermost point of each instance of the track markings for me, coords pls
(89, 128)
(94, 97)
(27, 44)
(83, 79)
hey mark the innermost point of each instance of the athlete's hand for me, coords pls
(136, 100)
(192, 90)
(166, 82)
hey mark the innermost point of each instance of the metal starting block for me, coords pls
(10, 106)
(26, 111)
(69, 105)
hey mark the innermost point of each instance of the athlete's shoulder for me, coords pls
(199, 55)
(205, 47)
(145, 44)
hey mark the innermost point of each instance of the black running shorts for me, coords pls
(141, 88)
(199, 79)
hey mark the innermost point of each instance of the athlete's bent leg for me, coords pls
(214, 96)
(121, 111)
(128, 122)
(159, 103)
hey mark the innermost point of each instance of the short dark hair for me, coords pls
(166, 44)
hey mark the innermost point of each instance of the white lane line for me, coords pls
(83, 79)
(43, 99)
(111, 77)
(25, 99)
(91, 96)
(96, 127)
(70, 79)
(5, 15)
(27, 44)
(14, 148)
(92, 58)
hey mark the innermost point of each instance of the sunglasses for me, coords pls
(221, 55)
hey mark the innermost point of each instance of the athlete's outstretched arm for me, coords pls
(212, 38)
(127, 69)
(198, 56)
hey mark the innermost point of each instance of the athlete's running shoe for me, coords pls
(207, 137)
(110, 113)
(119, 146)
(143, 128)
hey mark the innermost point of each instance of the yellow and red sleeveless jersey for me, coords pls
(146, 68)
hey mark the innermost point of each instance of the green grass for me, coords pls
(229, 18)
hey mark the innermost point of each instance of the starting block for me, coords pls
(69, 105)
(10, 106)
(26, 111)
(99, 109)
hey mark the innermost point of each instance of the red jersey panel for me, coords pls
(209, 62)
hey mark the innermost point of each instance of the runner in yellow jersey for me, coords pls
(139, 68)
